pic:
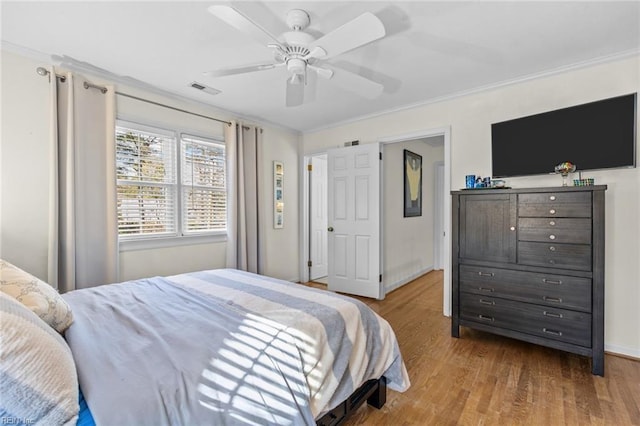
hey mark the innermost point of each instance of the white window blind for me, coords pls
(204, 198)
(146, 173)
(156, 198)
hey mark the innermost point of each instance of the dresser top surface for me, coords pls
(591, 188)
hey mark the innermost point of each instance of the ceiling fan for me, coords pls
(301, 53)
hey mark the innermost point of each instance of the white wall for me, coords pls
(280, 246)
(24, 178)
(407, 241)
(469, 118)
(24, 166)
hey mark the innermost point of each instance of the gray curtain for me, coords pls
(244, 154)
(83, 238)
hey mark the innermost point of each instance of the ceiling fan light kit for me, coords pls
(301, 51)
(296, 65)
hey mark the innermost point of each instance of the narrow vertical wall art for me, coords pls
(278, 195)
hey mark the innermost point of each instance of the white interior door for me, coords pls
(318, 249)
(354, 220)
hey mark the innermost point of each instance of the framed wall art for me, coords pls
(278, 195)
(412, 184)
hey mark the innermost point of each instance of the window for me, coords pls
(204, 197)
(170, 184)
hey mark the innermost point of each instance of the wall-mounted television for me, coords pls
(596, 135)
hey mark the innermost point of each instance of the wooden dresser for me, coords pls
(529, 264)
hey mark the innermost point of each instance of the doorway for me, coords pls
(318, 248)
(444, 182)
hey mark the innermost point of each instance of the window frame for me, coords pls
(180, 237)
(181, 159)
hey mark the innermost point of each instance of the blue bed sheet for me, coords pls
(84, 418)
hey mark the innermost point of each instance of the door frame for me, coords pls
(313, 173)
(304, 197)
(438, 220)
(305, 223)
(445, 132)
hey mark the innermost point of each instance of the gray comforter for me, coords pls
(224, 347)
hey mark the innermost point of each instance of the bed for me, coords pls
(227, 347)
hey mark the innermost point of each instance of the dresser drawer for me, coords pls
(553, 255)
(555, 198)
(561, 204)
(552, 323)
(554, 210)
(559, 291)
(558, 230)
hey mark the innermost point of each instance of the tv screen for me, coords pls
(597, 135)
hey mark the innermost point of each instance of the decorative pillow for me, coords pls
(36, 295)
(38, 380)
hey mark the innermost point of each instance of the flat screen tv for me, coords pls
(596, 135)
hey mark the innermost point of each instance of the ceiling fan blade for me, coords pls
(239, 21)
(355, 33)
(357, 84)
(295, 93)
(239, 70)
(322, 72)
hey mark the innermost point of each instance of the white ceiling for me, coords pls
(432, 49)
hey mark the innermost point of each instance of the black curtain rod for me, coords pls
(43, 71)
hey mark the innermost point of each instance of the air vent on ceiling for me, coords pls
(200, 86)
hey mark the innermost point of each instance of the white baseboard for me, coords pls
(388, 288)
(622, 350)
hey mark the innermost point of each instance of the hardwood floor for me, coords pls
(482, 379)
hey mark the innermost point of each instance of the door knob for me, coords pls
(330, 229)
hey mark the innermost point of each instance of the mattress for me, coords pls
(224, 347)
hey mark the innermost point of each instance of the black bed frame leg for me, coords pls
(379, 397)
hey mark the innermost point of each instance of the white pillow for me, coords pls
(35, 294)
(38, 380)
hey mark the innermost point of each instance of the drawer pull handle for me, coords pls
(485, 274)
(554, 332)
(552, 198)
(551, 261)
(552, 248)
(552, 223)
(486, 289)
(547, 281)
(552, 237)
(552, 211)
(551, 314)
(552, 299)
(513, 228)
(487, 302)
(485, 318)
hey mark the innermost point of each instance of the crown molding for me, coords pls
(543, 74)
(26, 52)
(72, 64)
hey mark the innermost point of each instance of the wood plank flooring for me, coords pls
(482, 379)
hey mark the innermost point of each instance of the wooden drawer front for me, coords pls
(555, 198)
(567, 256)
(560, 230)
(553, 323)
(554, 210)
(559, 291)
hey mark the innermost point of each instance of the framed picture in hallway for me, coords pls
(412, 184)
